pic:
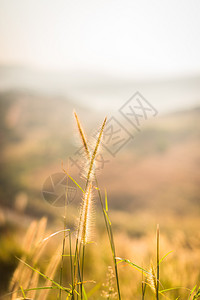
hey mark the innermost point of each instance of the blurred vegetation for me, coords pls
(154, 180)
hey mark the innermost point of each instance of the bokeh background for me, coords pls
(92, 57)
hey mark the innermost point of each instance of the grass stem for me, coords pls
(158, 265)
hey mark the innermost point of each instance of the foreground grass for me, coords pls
(74, 260)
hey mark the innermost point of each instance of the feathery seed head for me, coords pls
(86, 217)
(89, 161)
(152, 279)
(94, 154)
(83, 136)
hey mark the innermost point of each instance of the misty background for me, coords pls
(92, 57)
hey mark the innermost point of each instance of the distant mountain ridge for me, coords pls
(103, 92)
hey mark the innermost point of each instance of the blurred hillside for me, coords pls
(153, 179)
(159, 168)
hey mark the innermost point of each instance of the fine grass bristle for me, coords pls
(88, 167)
(89, 174)
(151, 278)
(82, 135)
(86, 217)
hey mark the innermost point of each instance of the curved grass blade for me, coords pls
(175, 288)
(44, 276)
(72, 178)
(133, 265)
(53, 234)
(165, 256)
(192, 291)
(33, 289)
(107, 216)
(94, 289)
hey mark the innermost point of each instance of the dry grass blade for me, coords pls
(24, 276)
(50, 272)
(22, 273)
(82, 135)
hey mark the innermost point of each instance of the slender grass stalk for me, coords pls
(108, 224)
(83, 260)
(24, 296)
(64, 237)
(111, 239)
(71, 264)
(158, 262)
(85, 210)
(80, 286)
(143, 285)
(85, 225)
(62, 259)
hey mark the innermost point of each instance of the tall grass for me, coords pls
(25, 281)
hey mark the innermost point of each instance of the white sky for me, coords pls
(123, 38)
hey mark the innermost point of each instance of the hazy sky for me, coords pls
(142, 37)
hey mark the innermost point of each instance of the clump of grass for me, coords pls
(26, 277)
(32, 249)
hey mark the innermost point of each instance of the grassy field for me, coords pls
(154, 180)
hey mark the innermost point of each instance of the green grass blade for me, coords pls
(157, 260)
(62, 258)
(192, 291)
(45, 276)
(106, 201)
(165, 256)
(175, 288)
(72, 179)
(94, 289)
(23, 292)
(107, 216)
(132, 265)
(110, 236)
(33, 289)
(84, 293)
